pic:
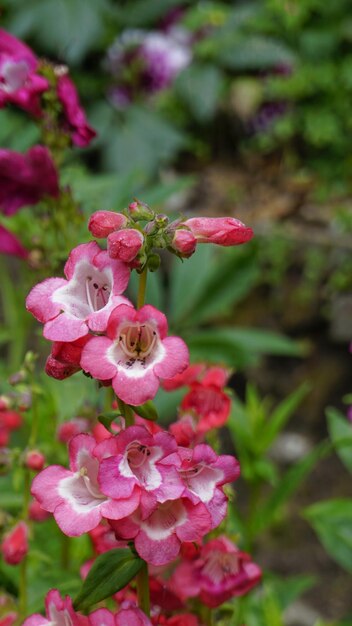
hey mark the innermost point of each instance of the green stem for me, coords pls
(127, 412)
(23, 596)
(142, 580)
(65, 552)
(141, 288)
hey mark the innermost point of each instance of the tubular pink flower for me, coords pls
(64, 359)
(70, 308)
(14, 546)
(211, 405)
(73, 496)
(203, 473)
(102, 223)
(142, 463)
(19, 82)
(223, 231)
(135, 354)
(220, 572)
(158, 536)
(59, 612)
(184, 242)
(75, 120)
(26, 178)
(125, 244)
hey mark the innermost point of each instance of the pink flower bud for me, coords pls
(36, 513)
(184, 242)
(35, 460)
(73, 427)
(125, 244)
(102, 223)
(223, 231)
(15, 544)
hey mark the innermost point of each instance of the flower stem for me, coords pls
(127, 412)
(142, 580)
(142, 287)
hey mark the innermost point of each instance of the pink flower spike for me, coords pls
(125, 244)
(223, 231)
(136, 353)
(59, 612)
(73, 496)
(102, 223)
(19, 82)
(14, 546)
(75, 120)
(69, 308)
(184, 242)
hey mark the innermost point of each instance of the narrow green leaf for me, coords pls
(340, 431)
(332, 521)
(107, 418)
(111, 572)
(147, 411)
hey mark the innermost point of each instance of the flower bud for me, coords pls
(14, 546)
(223, 231)
(73, 427)
(102, 223)
(184, 242)
(125, 244)
(153, 262)
(36, 513)
(140, 211)
(35, 460)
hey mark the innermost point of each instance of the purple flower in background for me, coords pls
(24, 180)
(75, 120)
(19, 82)
(146, 62)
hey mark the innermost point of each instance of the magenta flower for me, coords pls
(10, 245)
(220, 572)
(128, 615)
(59, 612)
(135, 354)
(125, 244)
(102, 223)
(75, 121)
(74, 496)
(64, 359)
(223, 231)
(140, 462)
(26, 178)
(184, 242)
(19, 82)
(14, 546)
(203, 473)
(70, 308)
(159, 535)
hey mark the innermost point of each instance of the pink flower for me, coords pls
(102, 223)
(73, 496)
(64, 359)
(26, 178)
(224, 231)
(208, 401)
(184, 242)
(190, 375)
(19, 82)
(138, 462)
(36, 513)
(59, 612)
(203, 473)
(125, 244)
(183, 619)
(14, 546)
(220, 572)
(163, 596)
(9, 421)
(128, 615)
(75, 121)
(35, 460)
(158, 536)
(135, 354)
(8, 619)
(185, 430)
(70, 308)
(71, 428)
(10, 245)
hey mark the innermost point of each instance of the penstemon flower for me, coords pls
(59, 612)
(14, 546)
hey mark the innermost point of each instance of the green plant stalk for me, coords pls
(142, 580)
(142, 288)
(126, 411)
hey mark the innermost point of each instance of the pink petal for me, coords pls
(36, 620)
(86, 251)
(135, 390)
(65, 328)
(39, 300)
(102, 617)
(45, 486)
(118, 509)
(122, 313)
(175, 360)
(149, 314)
(157, 552)
(120, 271)
(80, 450)
(94, 359)
(198, 523)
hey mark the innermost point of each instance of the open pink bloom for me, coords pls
(70, 308)
(75, 120)
(125, 244)
(128, 615)
(102, 223)
(73, 496)
(220, 572)
(59, 612)
(14, 546)
(224, 231)
(158, 536)
(26, 178)
(139, 462)
(19, 82)
(64, 359)
(10, 245)
(135, 354)
(203, 473)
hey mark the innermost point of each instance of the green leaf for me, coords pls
(332, 521)
(290, 482)
(253, 52)
(200, 87)
(111, 572)
(108, 417)
(147, 411)
(340, 430)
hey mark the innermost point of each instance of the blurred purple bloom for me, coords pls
(10, 245)
(75, 120)
(19, 82)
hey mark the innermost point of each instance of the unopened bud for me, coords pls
(184, 242)
(125, 244)
(140, 211)
(102, 223)
(35, 460)
(153, 262)
(15, 544)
